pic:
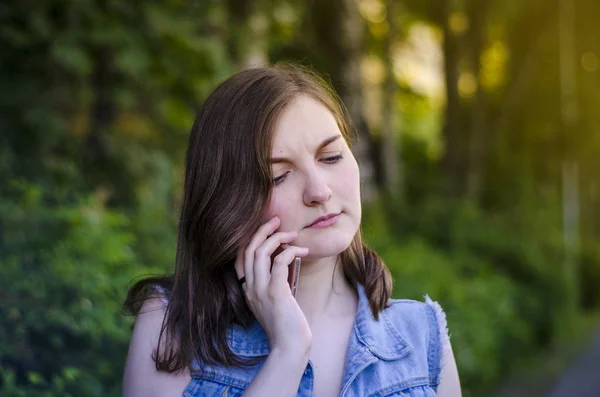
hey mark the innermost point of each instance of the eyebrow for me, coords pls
(275, 160)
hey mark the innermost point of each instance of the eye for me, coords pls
(333, 159)
(276, 181)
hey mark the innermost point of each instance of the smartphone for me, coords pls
(293, 270)
(294, 275)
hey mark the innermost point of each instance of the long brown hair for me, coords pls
(227, 184)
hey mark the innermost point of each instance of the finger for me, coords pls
(279, 273)
(239, 267)
(275, 244)
(262, 258)
(259, 237)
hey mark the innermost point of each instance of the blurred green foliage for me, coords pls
(69, 264)
(61, 331)
(503, 290)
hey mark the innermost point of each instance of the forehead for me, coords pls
(304, 121)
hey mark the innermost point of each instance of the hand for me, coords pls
(267, 291)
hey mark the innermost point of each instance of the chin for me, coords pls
(332, 244)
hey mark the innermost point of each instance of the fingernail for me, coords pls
(274, 219)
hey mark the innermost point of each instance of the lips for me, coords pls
(322, 218)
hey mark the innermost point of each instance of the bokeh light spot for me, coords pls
(590, 62)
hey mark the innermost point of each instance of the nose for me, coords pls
(316, 190)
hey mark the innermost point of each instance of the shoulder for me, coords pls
(408, 309)
(140, 377)
(413, 313)
(424, 325)
(160, 293)
(427, 315)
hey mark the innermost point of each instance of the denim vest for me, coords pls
(398, 355)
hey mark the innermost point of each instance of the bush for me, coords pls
(500, 279)
(68, 267)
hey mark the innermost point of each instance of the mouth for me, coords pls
(324, 221)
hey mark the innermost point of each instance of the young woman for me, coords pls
(270, 177)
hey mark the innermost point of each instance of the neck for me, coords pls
(324, 292)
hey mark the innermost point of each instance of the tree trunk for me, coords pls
(569, 121)
(450, 180)
(337, 40)
(478, 139)
(247, 35)
(350, 88)
(103, 114)
(390, 142)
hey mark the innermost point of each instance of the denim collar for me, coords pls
(380, 337)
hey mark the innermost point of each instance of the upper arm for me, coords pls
(141, 377)
(449, 381)
(443, 363)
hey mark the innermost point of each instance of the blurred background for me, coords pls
(479, 142)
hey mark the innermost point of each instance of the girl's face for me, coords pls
(314, 175)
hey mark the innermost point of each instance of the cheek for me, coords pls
(271, 210)
(348, 181)
(277, 206)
